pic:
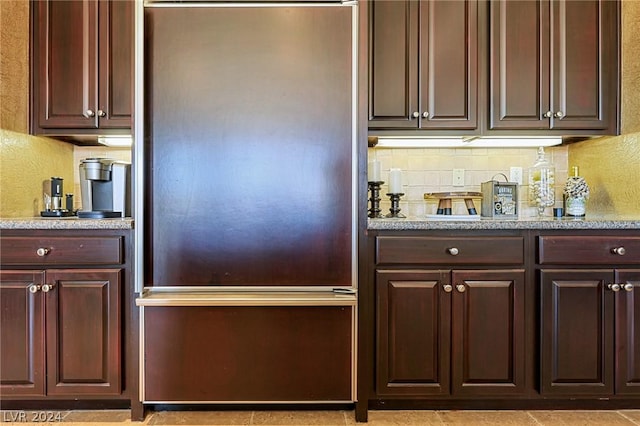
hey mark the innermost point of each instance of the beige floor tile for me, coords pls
(97, 416)
(403, 417)
(199, 418)
(489, 417)
(579, 418)
(299, 418)
(633, 415)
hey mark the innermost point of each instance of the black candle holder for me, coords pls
(375, 211)
(395, 206)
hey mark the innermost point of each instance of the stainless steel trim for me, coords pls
(354, 145)
(267, 401)
(247, 299)
(173, 3)
(141, 352)
(247, 289)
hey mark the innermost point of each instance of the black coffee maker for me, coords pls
(55, 204)
(105, 187)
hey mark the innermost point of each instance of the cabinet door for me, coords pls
(488, 332)
(577, 332)
(83, 332)
(448, 64)
(413, 310)
(519, 68)
(22, 345)
(393, 64)
(628, 333)
(584, 63)
(116, 63)
(65, 60)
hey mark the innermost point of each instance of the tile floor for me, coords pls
(335, 418)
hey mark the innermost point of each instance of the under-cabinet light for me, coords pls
(121, 141)
(461, 142)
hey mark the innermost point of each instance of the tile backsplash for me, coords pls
(431, 170)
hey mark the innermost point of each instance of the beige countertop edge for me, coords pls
(604, 223)
(65, 223)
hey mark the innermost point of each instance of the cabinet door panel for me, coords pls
(488, 332)
(22, 356)
(393, 64)
(65, 63)
(577, 332)
(83, 332)
(584, 63)
(413, 329)
(628, 334)
(116, 63)
(518, 74)
(448, 64)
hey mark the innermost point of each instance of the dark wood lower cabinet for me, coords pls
(446, 332)
(61, 332)
(248, 353)
(590, 337)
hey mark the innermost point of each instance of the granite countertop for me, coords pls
(589, 222)
(65, 223)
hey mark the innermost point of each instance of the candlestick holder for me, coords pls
(395, 206)
(375, 211)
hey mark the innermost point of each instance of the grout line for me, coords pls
(251, 418)
(628, 418)
(538, 422)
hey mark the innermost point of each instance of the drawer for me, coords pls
(586, 250)
(61, 250)
(449, 250)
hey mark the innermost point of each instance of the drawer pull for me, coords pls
(448, 288)
(619, 251)
(614, 287)
(628, 287)
(33, 288)
(42, 251)
(48, 287)
(453, 251)
(461, 288)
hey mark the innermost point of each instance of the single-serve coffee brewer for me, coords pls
(105, 188)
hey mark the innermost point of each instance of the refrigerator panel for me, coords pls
(249, 146)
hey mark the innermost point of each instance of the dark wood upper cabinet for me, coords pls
(423, 64)
(554, 65)
(82, 66)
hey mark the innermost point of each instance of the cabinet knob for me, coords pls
(425, 114)
(47, 287)
(42, 251)
(558, 114)
(461, 288)
(33, 288)
(620, 251)
(448, 288)
(453, 251)
(548, 114)
(89, 113)
(628, 287)
(614, 287)
(101, 113)
(415, 114)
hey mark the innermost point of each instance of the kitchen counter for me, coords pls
(590, 222)
(65, 223)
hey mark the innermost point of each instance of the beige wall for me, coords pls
(26, 162)
(612, 165)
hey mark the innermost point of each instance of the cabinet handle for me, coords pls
(461, 288)
(425, 114)
(548, 114)
(416, 114)
(558, 114)
(620, 251)
(614, 287)
(628, 287)
(101, 113)
(453, 251)
(448, 288)
(89, 113)
(42, 251)
(33, 288)
(48, 287)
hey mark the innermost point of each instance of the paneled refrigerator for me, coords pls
(246, 201)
